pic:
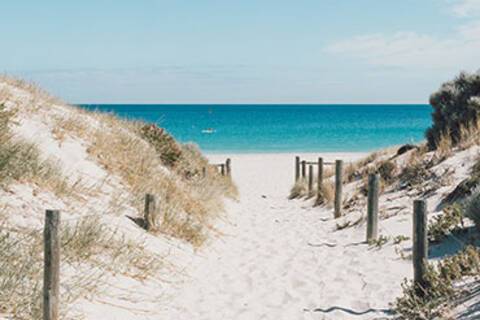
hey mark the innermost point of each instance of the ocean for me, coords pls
(284, 128)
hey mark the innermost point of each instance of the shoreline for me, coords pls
(283, 158)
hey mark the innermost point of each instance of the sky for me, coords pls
(248, 51)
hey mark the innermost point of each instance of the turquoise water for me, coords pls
(285, 128)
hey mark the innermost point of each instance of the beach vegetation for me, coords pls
(326, 194)
(143, 158)
(299, 189)
(167, 148)
(466, 187)
(449, 221)
(21, 161)
(456, 108)
(387, 170)
(472, 207)
(439, 293)
(400, 238)
(414, 173)
(87, 246)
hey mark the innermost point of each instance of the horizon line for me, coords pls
(250, 104)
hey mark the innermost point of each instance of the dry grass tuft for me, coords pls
(91, 241)
(86, 245)
(444, 146)
(299, 189)
(21, 161)
(20, 270)
(327, 194)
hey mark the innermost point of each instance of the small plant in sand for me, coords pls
(431, 301)
(379, 242)
(400, 238)
(449, 221)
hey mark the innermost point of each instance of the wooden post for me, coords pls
(338, 188)
(372, 207)
(420, 245)
(310, 180)
(204, 172)
(297, 168)
(51, 271)
(228, 165)
(150, 213)
(320, 176)
(304, 169)
(222, 169)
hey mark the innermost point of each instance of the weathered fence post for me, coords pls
(51, 271)
(222, 169)
(372, 207)
(310, 180)
(338, 188)
(228, 165)
(204, 172)
(420, 245)
(304, 169)
(149, 211)
(320, 176)
(297, 168)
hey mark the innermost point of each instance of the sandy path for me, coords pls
(271, 263)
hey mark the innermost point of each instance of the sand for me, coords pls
(283, 259)
(272, 258)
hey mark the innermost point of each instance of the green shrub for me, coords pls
(429, 302)
(456, 105)
(164, 144)
(451, 220)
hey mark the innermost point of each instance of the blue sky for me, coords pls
(250, 51)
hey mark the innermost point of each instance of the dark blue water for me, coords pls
(285, 128)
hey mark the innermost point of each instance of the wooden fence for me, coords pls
(420, 240)
(225, 169)
(301, 173)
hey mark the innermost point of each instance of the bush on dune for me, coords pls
(164, 144)
(456, 109)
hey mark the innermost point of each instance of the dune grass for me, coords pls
(148, 160)
(21, 161)
(88, 246)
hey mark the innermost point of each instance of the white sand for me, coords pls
(282, 259)
(276, 259)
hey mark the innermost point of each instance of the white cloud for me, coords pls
(466, 8)
(458, 51)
